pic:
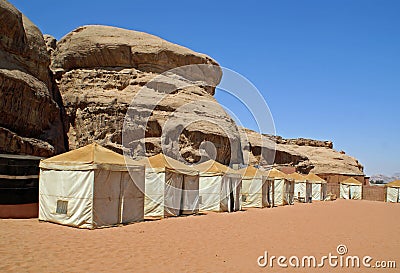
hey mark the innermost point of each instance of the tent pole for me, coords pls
(120, 201)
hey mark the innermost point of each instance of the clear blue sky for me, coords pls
(328, 69)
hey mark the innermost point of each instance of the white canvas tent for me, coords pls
(318, 186)
(351, 189)
(276, 180)
(219, 187)
(393, 192)
(253, 193)
(172, 188)
(302, 189)
(89, 188)
(283, 191)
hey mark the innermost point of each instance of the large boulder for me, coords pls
(90, 47)
(30, 110)
(101, 69)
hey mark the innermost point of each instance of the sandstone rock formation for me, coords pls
(30, 115)
(306, 155)
(326, 160)
(96, 72)
(106, 47)
(101, 69)
(261, 147)
(99, 72)
(51, 43)
(301, 142)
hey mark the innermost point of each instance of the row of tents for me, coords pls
(95, 187)
(352, 189)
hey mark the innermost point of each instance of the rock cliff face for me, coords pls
(306, 155)
(301, 142)
(323, 160)
(83, 92)
(30, 115)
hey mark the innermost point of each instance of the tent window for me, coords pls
(62, 207)
(200, 199)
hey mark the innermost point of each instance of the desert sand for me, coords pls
(216, 242)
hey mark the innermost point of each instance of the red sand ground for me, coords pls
(217, 242)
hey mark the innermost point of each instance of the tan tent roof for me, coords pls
(297, 177)
(313, 178)
(351, 181)
(394, 184)
(274, 173)
(214, 167)
(92, 156)
(161, 162)
(251, 172)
